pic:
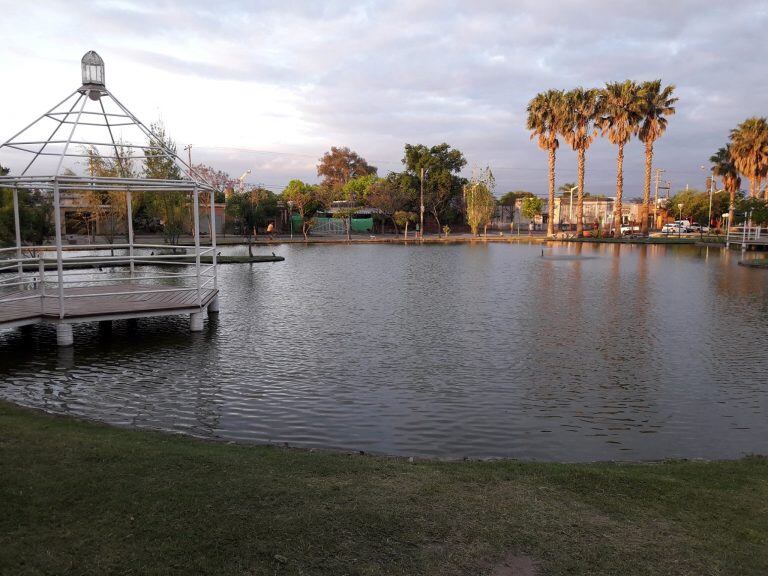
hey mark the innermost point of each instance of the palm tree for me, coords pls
(546, 112)
(749, 151)
(620, 114)
(656, 103)
(582, 107)
(723, 166)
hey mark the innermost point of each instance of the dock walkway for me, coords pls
(111, 302)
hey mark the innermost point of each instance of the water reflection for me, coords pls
(587, 352)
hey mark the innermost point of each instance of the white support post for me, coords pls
(129, 218)
(41, 273)
(196, 322)
(213, 240)
(17, 224)
(64, 336)
(59, 250)
(196, 217)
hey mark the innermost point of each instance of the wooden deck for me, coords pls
(100, 303)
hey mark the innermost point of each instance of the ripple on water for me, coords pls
(590, 353)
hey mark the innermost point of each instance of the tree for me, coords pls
(531, 207)
(402, 218)
(357, 189)
(341, 165)
(346, 213)
(35, 217)
(754, 209)
(252, 208)
(217, 179)
(749, 150)
(546, 114)
(479, 200)
(108, 207)
(582, 108)
(303, 198)
(171, 206)
(695, 205)
(436, 169)
(510, 198)
(619, 120)
(723, 166)
(389, 196)
(655, 104)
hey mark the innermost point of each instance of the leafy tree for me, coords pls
(620, 116)
(566, 190)
(510, 198)
(389, 196)
(171, 207)
(531, 207)
(749, 151)
(35, 217)
(341, 165)
(303, 198)
(436, 169)
(217, 179)
(357, 189)
(655, 104)
(547, 116)
(346, 213)
(480, 201)
(108, 208)
(723, 166)
(251, 209)
(754, 208)
(695, 205)
(582, 109)
(402, 218)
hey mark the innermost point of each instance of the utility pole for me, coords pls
(656, 197)
(421, 207)
(188, 148)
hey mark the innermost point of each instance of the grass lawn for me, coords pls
(83, 498)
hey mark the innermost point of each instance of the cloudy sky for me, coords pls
(270, 85)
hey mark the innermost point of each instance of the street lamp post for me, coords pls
(570, 208)
(680, 220)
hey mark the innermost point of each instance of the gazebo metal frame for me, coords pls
(30, 279)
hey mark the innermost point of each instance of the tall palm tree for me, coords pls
(620, 114)
(581, 110)
(546, 112)
(749, 150)
(723, 166)
(656, 103)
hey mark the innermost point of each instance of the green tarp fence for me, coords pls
(358, 224)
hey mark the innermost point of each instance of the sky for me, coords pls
(269, 86)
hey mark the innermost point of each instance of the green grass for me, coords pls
(83, 498)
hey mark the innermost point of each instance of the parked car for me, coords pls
(672, 228)
(630, 229)
(696, 227)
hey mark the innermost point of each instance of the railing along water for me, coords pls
(138, 272)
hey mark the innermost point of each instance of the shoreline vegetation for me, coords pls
(81, 497)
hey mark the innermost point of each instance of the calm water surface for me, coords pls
(587, 353)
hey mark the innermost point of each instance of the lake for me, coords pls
(587, 352)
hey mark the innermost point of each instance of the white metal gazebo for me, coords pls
(91, 286)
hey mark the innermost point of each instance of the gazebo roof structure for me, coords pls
(91, 119)
(132, 284)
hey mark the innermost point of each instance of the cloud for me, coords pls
(302, 76)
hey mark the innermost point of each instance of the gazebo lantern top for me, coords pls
(93, 70)
(91, 118)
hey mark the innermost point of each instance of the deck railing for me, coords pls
(27, 274)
